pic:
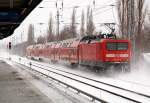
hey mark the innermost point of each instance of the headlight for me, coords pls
(124, 55)
(110, 55)
(117, 55)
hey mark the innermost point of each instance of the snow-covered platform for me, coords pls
(14, 88)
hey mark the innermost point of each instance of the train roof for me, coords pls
(102, 38)
(64, 43)
(74, 42)
(30, 47)
(115, 40)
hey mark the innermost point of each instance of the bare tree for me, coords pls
(30, 39)
(87, 20)
(65, 33)
(50, 35)
(122, 14)
(41, 40)
(90, 24)
(82, 30)
(146, 45)
(73, 24)
(132, 15)
(140, 17)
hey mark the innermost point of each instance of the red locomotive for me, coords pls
(97, 51)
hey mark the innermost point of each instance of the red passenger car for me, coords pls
(29, 51)
(68, 50)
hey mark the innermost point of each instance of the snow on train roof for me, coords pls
(30, 47)
(38, 46)
(67, 40)
(73, 42)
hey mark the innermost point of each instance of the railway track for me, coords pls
(97, 81)
(97, 90)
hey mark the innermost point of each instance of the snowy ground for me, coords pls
(137, 80)
(52, 90)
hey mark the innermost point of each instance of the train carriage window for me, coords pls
(116, 46)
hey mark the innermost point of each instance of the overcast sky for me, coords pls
(103, 12)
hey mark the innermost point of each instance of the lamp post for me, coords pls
(40, 26)
(41, 32)
(58, 17)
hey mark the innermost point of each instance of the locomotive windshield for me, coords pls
(116, 46)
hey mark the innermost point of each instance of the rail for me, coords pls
(96, 81)
(80, 91)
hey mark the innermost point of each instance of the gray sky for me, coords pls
(102, 13)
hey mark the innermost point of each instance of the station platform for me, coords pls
(15, 89)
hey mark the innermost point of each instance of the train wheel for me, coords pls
(54, 61)
(111, 68)
(40, 59)
(32, 58)
(128, 68)
(74, 65)
(125, 68)
(97, 69)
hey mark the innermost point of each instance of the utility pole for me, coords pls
(58, 24)
(57, 20)
(58, 15)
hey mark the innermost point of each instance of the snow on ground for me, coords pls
(101, 94)
(4, 54)
(137, 80)
(54, 91)
(140, 73)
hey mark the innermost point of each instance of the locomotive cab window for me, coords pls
(117, 46)
(122, 46)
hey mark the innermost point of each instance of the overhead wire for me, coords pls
(113, 14)
(99, 13)
(96, 11)
(75, 2)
